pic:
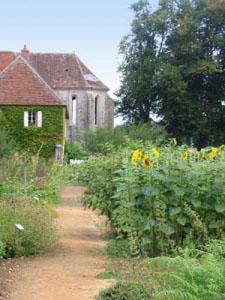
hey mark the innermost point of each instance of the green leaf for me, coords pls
(167, 229)
(174, 211)
(214, 224)
(179, 191)
(196, 202)
(182, 220)
(147, 225)
(220, 207)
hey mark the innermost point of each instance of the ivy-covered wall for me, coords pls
(32, 139)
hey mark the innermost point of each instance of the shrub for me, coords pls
(74, 151)
(125, 291)
(38, 234)
(105, 140)
(117, 248)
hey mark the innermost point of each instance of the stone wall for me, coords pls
(85, 111)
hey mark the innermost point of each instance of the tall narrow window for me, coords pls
(96, 110)
(74, 110)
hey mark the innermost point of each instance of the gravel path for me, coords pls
(68, 272)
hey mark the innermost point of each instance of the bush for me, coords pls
(7, 147)
(105, 140)
(118, 248)
(160, 199)
(126, 291)
(74, 151)
(38, 234)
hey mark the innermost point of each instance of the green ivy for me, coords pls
(33, 139)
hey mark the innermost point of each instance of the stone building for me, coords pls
(88, 103)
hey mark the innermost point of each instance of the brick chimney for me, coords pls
(25, 52)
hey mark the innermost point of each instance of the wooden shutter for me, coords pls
(25, 119)
(39, 119)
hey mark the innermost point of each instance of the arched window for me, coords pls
(74, 110)
(96, 109)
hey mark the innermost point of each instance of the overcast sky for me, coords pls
(91, 28)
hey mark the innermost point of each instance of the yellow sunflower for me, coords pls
(136, 155)
(146, 162)
(212, 153)
(174, 142)
(155, 153)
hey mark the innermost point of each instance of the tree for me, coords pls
(174, 66)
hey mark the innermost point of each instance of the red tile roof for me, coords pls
(6, 58)
(20, 84)
(60, 71)
(65, 71)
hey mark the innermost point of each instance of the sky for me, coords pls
(91, 28)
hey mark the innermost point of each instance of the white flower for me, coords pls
(19, 226)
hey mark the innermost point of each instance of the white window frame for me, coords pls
(32, 119)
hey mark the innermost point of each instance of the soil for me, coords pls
(69, 270)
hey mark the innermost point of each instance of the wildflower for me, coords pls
(155, 153)
(146, 162)
(174, 142)
(136, 155)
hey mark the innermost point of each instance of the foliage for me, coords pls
(38, 234)
(159, 198)
(194, 274)
(36, 180)
(117, 248)
(2, 250)
(7, 146)
(97, 174)
(189, 278)
(107, 140)
(27, 188)
(173, 68)
(125, 291)
(74, 151)
(35, 140)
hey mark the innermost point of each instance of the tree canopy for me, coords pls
(174, 68)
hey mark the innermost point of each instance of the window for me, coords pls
(74, 110)
(96, 110)
(32, 119)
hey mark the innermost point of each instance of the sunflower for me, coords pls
(136, 155)
(146, 162)
(184, 155)
(213, 153)
(155, 153)
(174, 142)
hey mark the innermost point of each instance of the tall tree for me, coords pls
(180, 71)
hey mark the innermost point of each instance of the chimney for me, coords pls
(25, 52)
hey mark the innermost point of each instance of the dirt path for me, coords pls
(69, 271)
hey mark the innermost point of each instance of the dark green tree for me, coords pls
(180, 70)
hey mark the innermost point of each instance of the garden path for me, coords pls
(69, 270)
